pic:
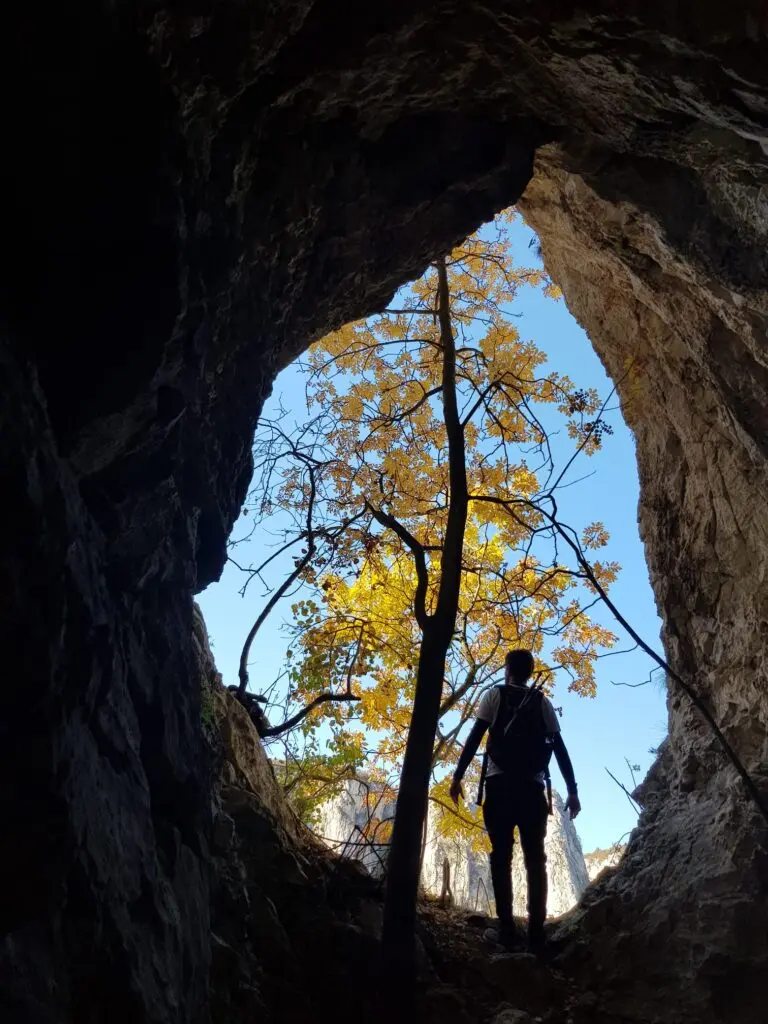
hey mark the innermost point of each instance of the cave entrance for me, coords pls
(612, 733)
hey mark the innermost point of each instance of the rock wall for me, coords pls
(352, 822)
(201, 190)
(291, 926)
(681, 326)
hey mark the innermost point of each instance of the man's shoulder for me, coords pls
(550, 715)
(489, 704)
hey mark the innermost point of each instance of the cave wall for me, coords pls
(687, 349)
(200, 190)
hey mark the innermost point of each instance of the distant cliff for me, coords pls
(598, 860)
(345, 818)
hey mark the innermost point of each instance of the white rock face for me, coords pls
(598, 860)
(471, 876)
(345, 824)
(344, 818)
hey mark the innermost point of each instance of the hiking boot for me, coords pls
(505, 935)
(537, 942)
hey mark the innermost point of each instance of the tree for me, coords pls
(428, 443)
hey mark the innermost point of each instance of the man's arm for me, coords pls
(572, 804)
(474, 739)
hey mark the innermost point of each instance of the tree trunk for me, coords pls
(404, 859)
(398, 939)
(446, 893)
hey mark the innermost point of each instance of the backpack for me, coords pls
(518, 740)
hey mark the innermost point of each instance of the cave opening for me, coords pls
(255, 180)
(613, 730)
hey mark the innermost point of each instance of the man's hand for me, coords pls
(456, 791)
(573, 805)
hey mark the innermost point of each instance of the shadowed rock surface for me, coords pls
(201, 191)
(681, 327)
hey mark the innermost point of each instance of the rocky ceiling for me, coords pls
(203, 187)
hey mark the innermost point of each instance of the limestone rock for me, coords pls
(247, 769)
(600, 860)
(683, 345)
(511, 1016)
(440, 1004)
(470, 871)
(344, 824)
(523, 980)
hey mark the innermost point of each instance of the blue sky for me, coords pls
(620, 722)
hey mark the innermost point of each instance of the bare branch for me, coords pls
(258, 571)
(419, 557)
(636, 807)
(294, 720)
(693, 696)
(281, 590)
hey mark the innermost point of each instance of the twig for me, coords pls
(485, 891)
(686, 687)
(632, 772)
(626, 792)
(636, 686)
(281, 590)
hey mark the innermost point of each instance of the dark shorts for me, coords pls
(509, 803)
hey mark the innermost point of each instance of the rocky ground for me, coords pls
(297, 930)
(502, 987)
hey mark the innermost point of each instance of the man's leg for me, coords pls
(500, 825)
(532, 823)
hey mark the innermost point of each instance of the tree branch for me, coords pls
(453, 545)
(570, 538)
(456, 814)
(456, 696)
(257, 572)
(417, 549)
(282, 589)
(294, 720)
(626, 792)
(689, 691)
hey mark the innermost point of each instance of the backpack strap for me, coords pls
(535, 689)
(481, 786)
(484, 768)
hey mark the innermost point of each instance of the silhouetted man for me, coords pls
(524, 733)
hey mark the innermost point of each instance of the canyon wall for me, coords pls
(199, 191)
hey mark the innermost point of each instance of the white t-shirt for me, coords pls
(488, 708)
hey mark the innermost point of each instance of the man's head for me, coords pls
(518, 667)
